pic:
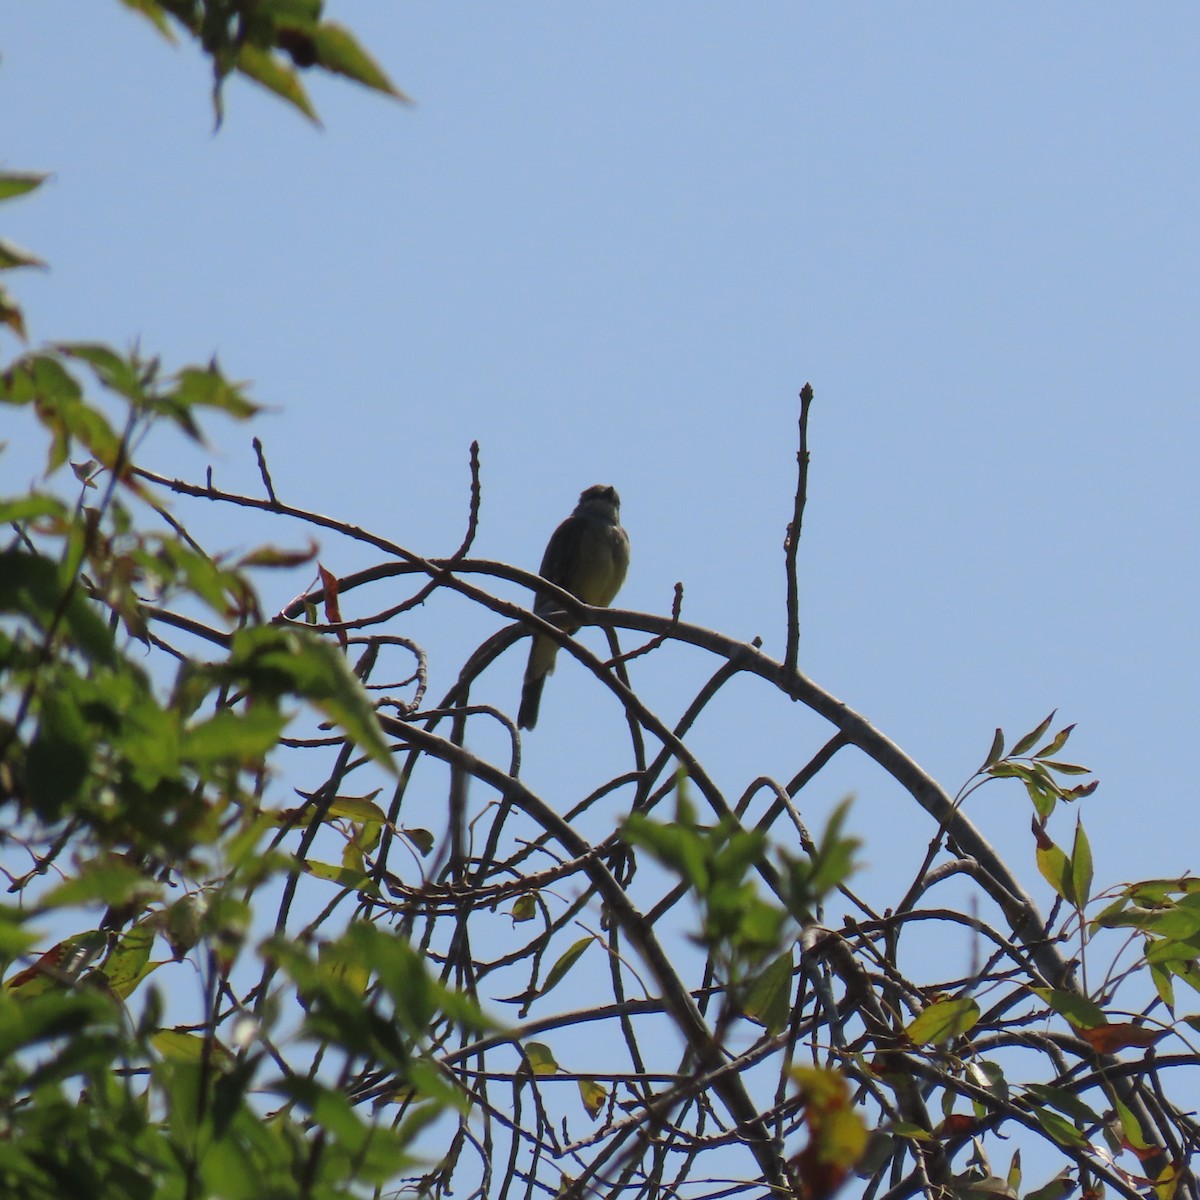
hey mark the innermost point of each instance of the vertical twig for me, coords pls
(791, 544)
(473, 517)
(262, 470)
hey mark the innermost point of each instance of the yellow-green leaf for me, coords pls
(1081, 866)
(1077, 1009)
(1055, 868)
(1032, 738)
(358, 808)
(768, 1000)
(593, 1096)
(540, 1058)
(566, 961)
(943, 1020)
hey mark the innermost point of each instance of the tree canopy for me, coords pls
(274, 928)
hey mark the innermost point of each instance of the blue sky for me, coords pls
(611, 243)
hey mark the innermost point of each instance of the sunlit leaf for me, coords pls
(1056, 743)
(1078, 1010)
(1025, 744)
(354, 880)
(541, 1058)
(180, 1046)
(357, 808)
(337, 50)
(944, 1020)
(1058, 1128)
(275, 76)
(129, 963)
(1061, 1186)
(18, 183)
(593, 1096)
(1055, 869)
(1081, 866)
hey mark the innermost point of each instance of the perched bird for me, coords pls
(588, 556)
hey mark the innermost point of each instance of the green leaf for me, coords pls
(833, 862)
(1055, 869)
(29, 1019)
(114, 372)
(1013, 1178)
(1061, 1186)
(338, 51)
(59, 758)
(109, 880)
(31, 507)
(768, 1000)
(243, 737)
(1164, 984)
(1032, 738)
(353, 880)
(152, 11)
(541, 1058)
(421, 838)
(12, 257)
(1064, 1101)
(177, 1046)
(524, 909)
(1130, 1126)
(358, 808)
(30, 586)
(678, 845)
(12, 316)
(1081, 866)
(943, 1020)
(298, 661)
(593, 1096)
(18, 183)
(989, 1076)
(264, 68)
(197, 387)
(1058, 1128)
(1056, 743)
(128, 964)
(995, 752)
(566, 961)
(1064, 768)
(1078, 1010)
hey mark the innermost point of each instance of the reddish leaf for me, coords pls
(818, 1179)
(1040, 835)
(333, 612)
(1108, 1039)
(957, 1125)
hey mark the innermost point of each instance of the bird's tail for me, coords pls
(531, 698)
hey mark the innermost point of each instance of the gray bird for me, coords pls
(588, 556)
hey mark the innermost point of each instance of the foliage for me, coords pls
(209, 991)
(267, 41)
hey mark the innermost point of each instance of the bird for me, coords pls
(588, 556)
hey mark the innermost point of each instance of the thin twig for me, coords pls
(791, 544)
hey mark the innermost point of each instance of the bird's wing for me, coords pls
(560, 563)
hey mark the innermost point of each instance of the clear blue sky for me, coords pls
(611, 242)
